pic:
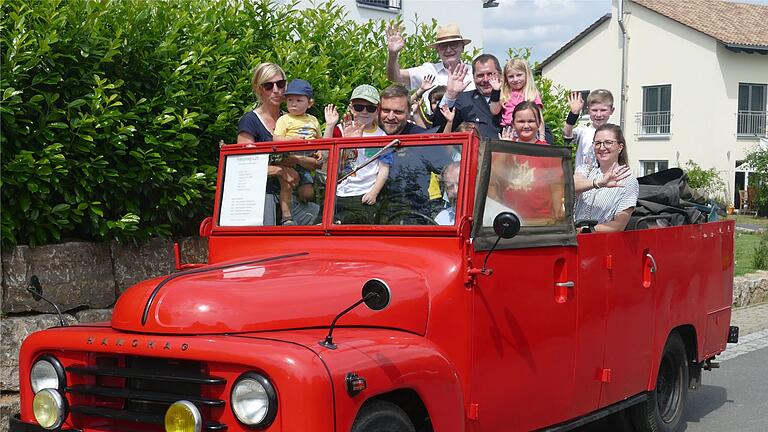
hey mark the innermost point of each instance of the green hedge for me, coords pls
(112, 111)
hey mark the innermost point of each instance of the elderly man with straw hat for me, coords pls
(449, 45)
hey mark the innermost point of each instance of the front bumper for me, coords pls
(17, 425)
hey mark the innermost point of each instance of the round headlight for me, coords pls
(46, 373)
(254, 400)
(183, 416)
(49, 408)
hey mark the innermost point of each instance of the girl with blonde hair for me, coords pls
(516, 86)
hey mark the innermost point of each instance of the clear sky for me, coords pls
(542, 25)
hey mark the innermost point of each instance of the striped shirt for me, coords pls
(604, 203)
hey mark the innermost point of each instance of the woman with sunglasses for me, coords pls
(268, 84)
(606, 192)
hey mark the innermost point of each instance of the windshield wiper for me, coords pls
(374, 158)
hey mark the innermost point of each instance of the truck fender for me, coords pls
(396, 366)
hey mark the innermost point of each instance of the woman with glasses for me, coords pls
(268, 84)
(606, 192)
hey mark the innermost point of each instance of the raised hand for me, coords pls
(456, 82)
(576, 102)
(331, 114)
(507, 133)
(614, 176)
(395, 39)
(351, 128)
(495, 82)
(448, 113)
(427, 84)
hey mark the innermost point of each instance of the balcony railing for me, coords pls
(395, 5)
(751, 123)
(651, 124)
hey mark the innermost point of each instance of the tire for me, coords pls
(382, 416)
(664, 410)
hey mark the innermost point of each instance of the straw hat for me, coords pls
(448, 33)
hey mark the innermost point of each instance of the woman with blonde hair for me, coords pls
(257, 125)
(268, 84)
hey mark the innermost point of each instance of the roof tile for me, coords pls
(729, 22)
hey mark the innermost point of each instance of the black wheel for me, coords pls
(382, 416)
(664, 411)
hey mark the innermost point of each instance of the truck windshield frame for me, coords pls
(411, 220)
(551, 231)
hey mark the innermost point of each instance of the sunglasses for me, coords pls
(268, 86)
(364, 107)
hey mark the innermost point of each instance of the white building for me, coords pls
(468, 14)
(695, 78)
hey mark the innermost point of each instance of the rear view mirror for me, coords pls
(506, 225)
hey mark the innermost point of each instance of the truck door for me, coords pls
(525, 310)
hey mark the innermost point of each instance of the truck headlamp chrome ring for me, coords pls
(47, 373)
(254, 400)
(49, 408)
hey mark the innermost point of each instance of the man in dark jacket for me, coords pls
(393, 112)
(473, 105)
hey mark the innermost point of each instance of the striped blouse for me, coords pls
(604, 203)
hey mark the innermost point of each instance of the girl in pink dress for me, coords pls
(516, 86)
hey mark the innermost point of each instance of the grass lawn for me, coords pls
(751, 220)
(745, 250)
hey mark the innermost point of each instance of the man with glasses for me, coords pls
(449, 45)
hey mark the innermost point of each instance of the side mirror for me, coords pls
(376, 294)
(35, 288)
(506, 225)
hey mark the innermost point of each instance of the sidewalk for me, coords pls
(750, 319)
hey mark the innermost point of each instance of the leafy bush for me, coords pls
(112, 110)
(758, 159)
(708, 180)
(760, 258)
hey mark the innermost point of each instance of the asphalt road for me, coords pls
(732, 398)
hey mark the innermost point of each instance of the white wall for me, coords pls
(468, 14)
(704, 79)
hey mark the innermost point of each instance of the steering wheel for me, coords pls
(402, 214)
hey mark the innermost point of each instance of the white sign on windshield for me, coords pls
(245, 183)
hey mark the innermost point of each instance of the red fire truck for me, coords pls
(484, 309)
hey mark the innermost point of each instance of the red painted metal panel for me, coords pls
(524, 339)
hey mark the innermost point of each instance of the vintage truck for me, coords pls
(549, 330)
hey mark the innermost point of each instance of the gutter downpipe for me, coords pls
(623, 62)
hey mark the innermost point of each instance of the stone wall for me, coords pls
(83, 279)
(750, 289)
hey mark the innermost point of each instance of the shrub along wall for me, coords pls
(112, 110)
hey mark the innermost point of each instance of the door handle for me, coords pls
(653, 262)
(561, 291)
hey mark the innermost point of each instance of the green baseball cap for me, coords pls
(366, 92)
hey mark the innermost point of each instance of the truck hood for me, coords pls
(272, 293)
